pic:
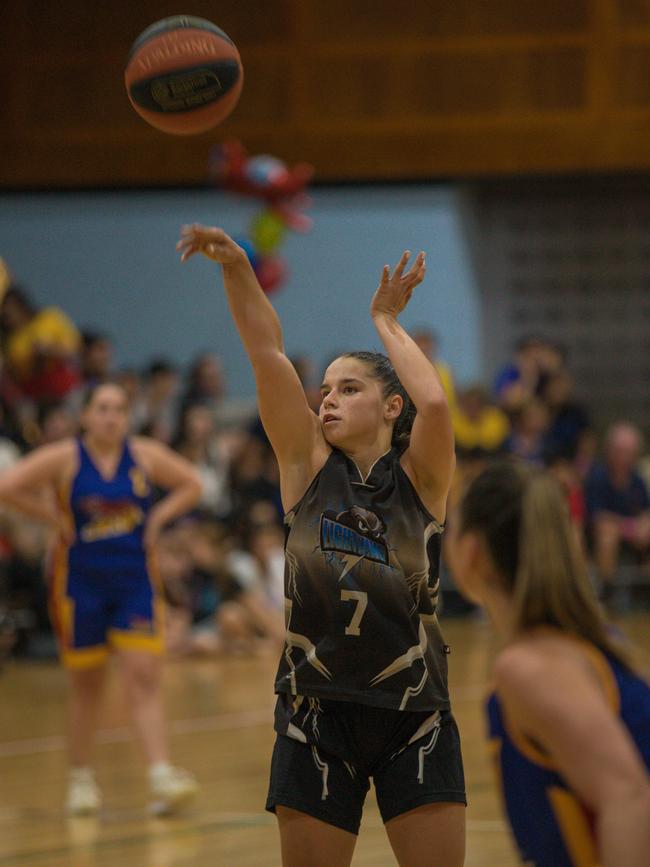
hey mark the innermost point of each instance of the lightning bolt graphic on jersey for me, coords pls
(295, 639)
(350, 561)
(406, 660)
(412, 691)
(416, 584)
(292, 576)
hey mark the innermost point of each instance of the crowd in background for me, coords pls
(222, 566)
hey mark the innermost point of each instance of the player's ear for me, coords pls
(393, 407)
(472, 545)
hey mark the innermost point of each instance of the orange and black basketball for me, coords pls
(184, 75)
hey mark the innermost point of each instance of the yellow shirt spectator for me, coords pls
(477, 423)
(427, 342)
(49, 331)
(5, 278)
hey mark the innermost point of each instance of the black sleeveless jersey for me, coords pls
(361, 585)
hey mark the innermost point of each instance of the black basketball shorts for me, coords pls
(322, 765)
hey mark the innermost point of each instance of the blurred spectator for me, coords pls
(587, 454)
(221, 607)
(157, 407)
(266, 544)
(644, 469)
(129, 379)
(529, 429)
(217, 624)
(517, 381)
(480, 427)
(96, 357)
(5, 278)
(207, 385)
(56, 421)
(255, 478)
(551, 359)
(568, 419)
(175, 564)
(40, 347)
(26, 597)
(197, 441)
(618, 503)
(9, 451)
(427, 341)
(567, 475)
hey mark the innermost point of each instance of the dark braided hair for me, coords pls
(383, 370)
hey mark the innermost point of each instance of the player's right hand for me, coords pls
(212, 242)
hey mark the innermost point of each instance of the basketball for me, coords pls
(183, 75)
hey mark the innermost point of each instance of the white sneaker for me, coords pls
(171, 789)
(84, 797)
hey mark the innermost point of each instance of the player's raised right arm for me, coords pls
(293, 429)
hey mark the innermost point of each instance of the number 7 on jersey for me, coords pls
(361, 599)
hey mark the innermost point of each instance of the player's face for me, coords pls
(106, 418)
(352, 403)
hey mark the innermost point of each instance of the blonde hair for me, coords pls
(524, 517)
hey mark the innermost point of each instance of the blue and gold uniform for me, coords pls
(103, 587)
(551, 826)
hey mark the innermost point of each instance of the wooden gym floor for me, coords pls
(220, 716)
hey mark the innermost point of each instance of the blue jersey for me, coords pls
(104, 585)
(109, 515)
(551, 826)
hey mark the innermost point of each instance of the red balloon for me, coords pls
(271, 272)
(234, 170)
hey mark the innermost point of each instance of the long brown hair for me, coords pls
(524, 518)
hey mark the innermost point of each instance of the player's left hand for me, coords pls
(394, 291)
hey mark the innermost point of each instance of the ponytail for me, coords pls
(524, 518)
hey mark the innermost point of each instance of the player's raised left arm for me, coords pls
(559, 703)
(167, 470)
(430, 457)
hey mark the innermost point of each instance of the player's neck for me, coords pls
(102, 448)
(365, 457)
(500, 610)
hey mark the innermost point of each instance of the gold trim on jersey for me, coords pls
(131, 639)
(84, 657)
(61, 605)
(574, 828)
(139, 640)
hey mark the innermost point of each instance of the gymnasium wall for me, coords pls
(363, 89)
(570, 259)
(108, 259)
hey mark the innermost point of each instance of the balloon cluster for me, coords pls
(282, 193)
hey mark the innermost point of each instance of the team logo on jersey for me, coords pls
(107, 519)
(139, 482)
(355, 532)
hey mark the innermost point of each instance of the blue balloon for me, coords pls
(247, 245)
(266, 170)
